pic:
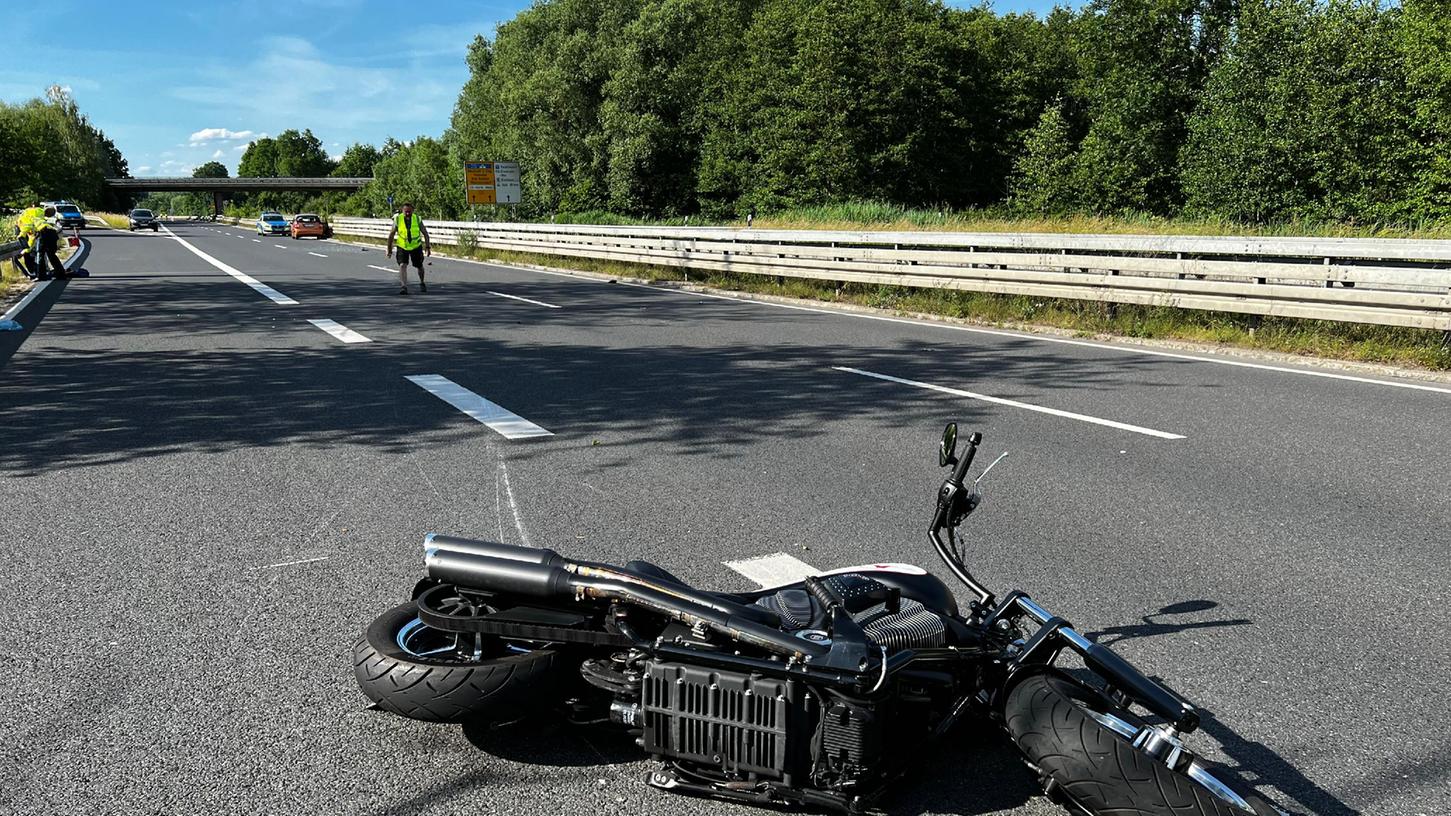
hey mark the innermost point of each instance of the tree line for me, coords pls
(49, 150)
(1248, 110)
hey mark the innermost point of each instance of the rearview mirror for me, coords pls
(949, 445)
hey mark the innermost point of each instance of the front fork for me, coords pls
(1054, 634)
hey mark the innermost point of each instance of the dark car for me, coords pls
(142, 219)
(69, 216)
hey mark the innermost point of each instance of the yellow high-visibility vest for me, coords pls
(410, 231)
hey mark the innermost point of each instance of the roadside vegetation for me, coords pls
(50, 150)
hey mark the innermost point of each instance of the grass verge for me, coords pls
(1387, 345)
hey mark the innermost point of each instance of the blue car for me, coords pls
(272, 223)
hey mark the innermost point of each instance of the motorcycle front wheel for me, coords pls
(1082, 741)
(427, 674)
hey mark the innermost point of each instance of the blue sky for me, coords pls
(176, 84)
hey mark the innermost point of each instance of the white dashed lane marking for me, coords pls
(507, 423)
(957, 392)
(339, 331)
(774, 569)
(526, 300)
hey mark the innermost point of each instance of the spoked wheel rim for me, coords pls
(419, 640)
(1197, 770)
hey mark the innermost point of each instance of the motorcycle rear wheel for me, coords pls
(426, 674)
(1076, 736)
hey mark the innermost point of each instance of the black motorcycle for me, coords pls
(812, 694)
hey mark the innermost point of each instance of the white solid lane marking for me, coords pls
(507, 423)
(25, 301)
(295, 563)
(318, 254)
(526, 300)
(267, 291)
(339, 331)
(1014, 404)
(774, 569)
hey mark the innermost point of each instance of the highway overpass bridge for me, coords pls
(220, 188)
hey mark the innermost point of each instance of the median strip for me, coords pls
(957, 392)
(507, 423)
(265, 290)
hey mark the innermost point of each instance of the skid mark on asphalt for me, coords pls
(513, 505)
(500, 419)
(1123, 426)
(339, 331)
(773, 570)
(265, 290)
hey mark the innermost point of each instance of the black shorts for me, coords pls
(414, 256)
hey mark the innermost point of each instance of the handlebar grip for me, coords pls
(1148, 693)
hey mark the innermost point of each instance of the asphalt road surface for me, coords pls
(208, 497)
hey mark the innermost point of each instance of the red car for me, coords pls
(308, 224)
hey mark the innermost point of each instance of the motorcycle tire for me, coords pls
(1098, 768)
(445, 688)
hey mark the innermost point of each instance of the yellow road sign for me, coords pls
(479, 182)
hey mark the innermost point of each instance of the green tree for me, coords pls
(212, 169)
(1307, 116)
(1043, 180)
(1142, 64)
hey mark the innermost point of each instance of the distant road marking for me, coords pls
(317, 254)
(526, 300)
(266, 291)
(295, 563)
(773, 570)
(507, 423)
(381, 268)
(279, 246)
(339, 331)
(256, 241)
(1014, 404)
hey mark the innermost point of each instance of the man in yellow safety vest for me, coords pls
(409, 238)
(27, 229)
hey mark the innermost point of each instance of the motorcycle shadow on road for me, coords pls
(936, 784)
(1252, 760)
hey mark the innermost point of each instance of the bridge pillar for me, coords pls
(218, 197)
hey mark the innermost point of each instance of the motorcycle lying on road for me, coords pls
(812, 694)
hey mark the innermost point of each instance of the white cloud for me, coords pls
(337, 158)
(342, 95)
(145, 168)
(218, 154)
(206, 136)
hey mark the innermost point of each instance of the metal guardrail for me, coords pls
(1383, 281)
(11, 249)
